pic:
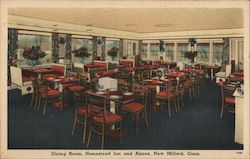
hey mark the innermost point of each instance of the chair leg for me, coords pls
(74, 124)
(45, 105)
(136, 124)
(221, 112)
(103, 136)
(85, 129)
(146, 119)
(39, 103)
(32, 99)
(90, 135)
(121, 132)
(169, 113)
(36, 104)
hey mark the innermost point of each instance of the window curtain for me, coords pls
(55, 47)
(95, 45)
(68, 48)
(225, 53)
(12, 47)
(12, 50)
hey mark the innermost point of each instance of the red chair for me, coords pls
(46, 96)
(167, 97)
(138, 109)
(101, 120)
(228, 100)
(81, 114)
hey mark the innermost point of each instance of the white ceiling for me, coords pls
(140, 20)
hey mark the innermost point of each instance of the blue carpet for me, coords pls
(196, 126)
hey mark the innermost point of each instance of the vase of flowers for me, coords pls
(33, 54)
(113, 52)
(81, 52)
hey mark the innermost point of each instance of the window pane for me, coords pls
(217, 51)
(144, 51)
(109, 45)
(25, 40)
(181, 49)
(76, 44)
(154, 49)
(130, 50)
(203, 52)
(169, 51)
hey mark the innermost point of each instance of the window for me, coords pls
(130, 50)
(109, 45)
(203, 51)
(217, 51)
(169, 51)
(76, 44)
(29, 40)
(181, 49)
(144, 51)
(154, 50)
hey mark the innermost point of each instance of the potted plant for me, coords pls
(33, 54)
(81, 52)
(113, 52)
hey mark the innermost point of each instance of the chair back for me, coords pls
(96, 103)
(227, 90)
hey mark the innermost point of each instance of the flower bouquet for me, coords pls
(33, 54)
(113, 52)
(81, 52)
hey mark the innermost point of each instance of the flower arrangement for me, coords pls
(113, 52)
(190, 55)
(81, 52)
(34, 53)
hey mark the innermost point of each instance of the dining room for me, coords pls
(126, 78)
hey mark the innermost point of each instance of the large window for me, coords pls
(76, 44)
(144, 51)
(29, 40)
(217, 51)
(110, 44)
(154, 50)
(181, 49)
(203, 51)
(169, 51)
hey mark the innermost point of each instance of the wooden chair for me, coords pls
(35, 93)
(167, 97)
(227, 98)
(102, 120)
(81, 114)
(48, 95)
(138, 109)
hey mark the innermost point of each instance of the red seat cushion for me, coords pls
(230, 100)
(110, 118)
(50, 76)
(179, 91)
(67, 85)
(150, 87)
(187, 84)
(164, 94)
(58, 69)
(49, 89)
(133, 107)
(53, 93)
(76, 88)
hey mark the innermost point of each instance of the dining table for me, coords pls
(41, 71)
(212, 69)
